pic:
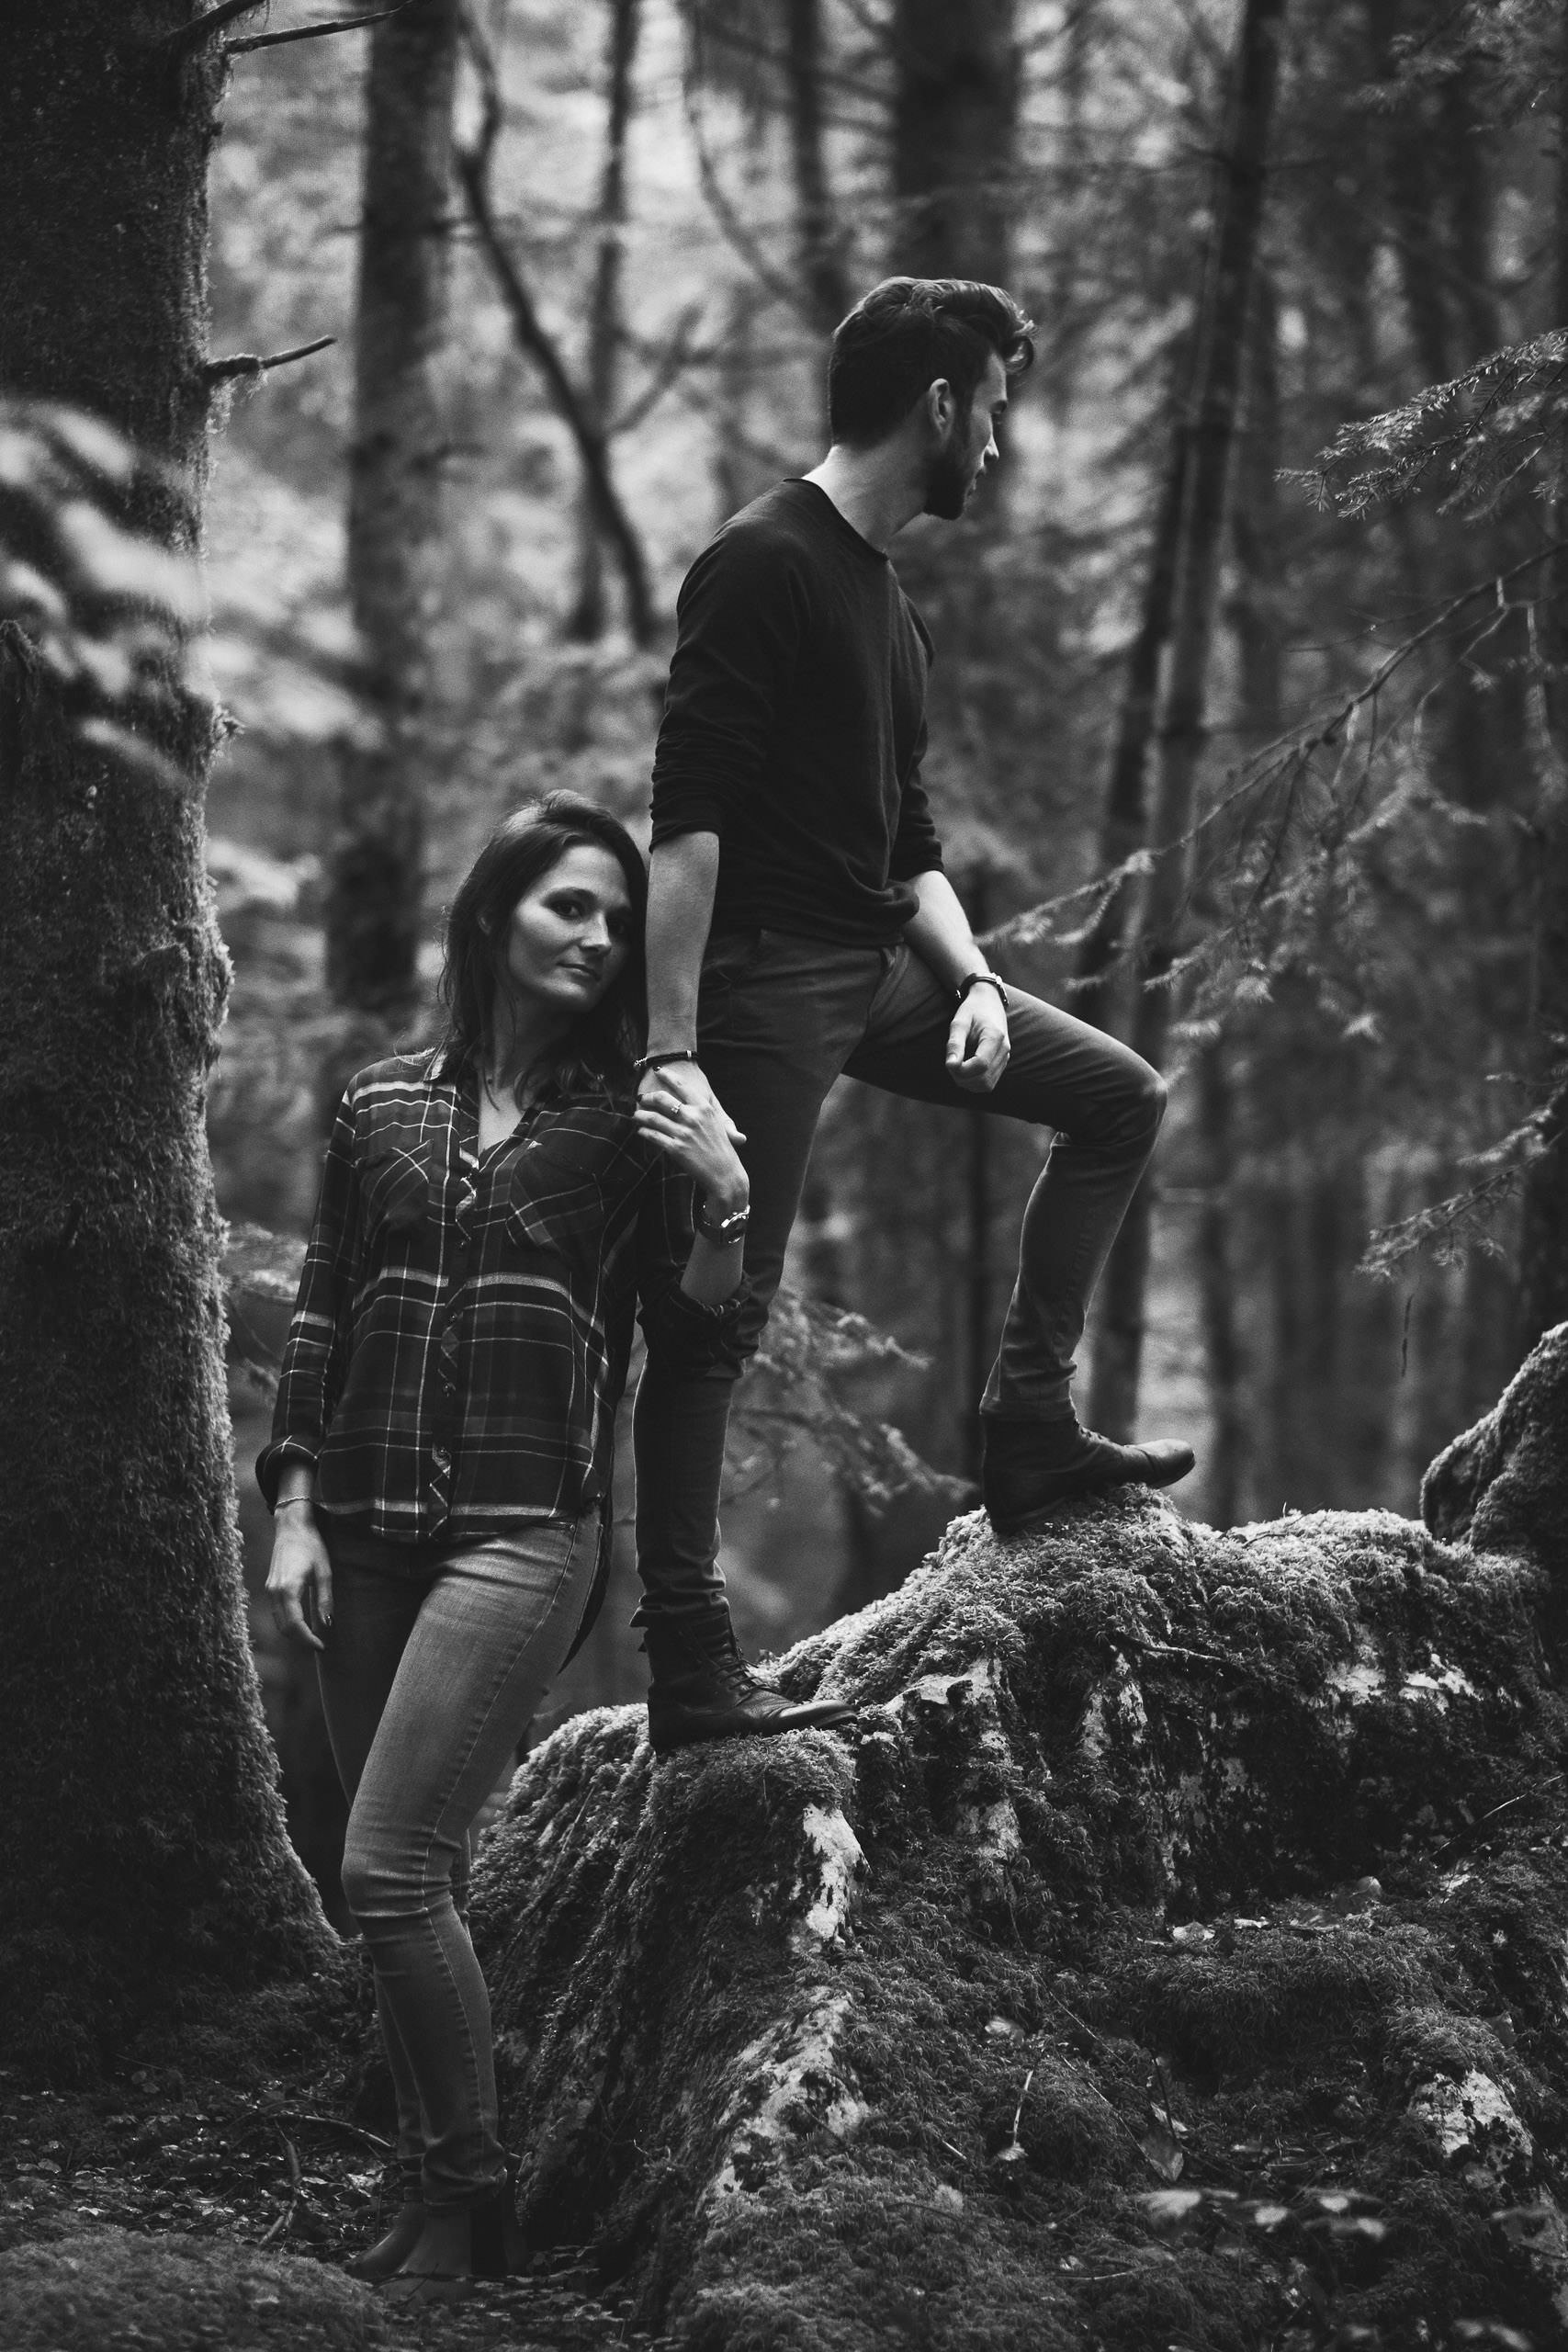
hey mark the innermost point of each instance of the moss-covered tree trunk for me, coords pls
(376, 867)
(142, 1839)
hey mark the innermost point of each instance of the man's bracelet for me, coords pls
(657, 1061)
(973, 980)
(285, 1501)
(721, 1229)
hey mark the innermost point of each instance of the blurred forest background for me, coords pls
(582, 263)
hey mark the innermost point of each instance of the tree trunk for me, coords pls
(1224, 1469)
(1543, 1270)
(376, 876)
(143, 1851)
(821, 245)
(956, 115)
(587, 621)
(1254, 617)
(1125, 819)
(1073, 195)
(1120, 1328)
(843, 2042)
(980, 1336)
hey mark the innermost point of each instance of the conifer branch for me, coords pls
(1286, 753)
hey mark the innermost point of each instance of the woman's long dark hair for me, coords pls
(596, 1054)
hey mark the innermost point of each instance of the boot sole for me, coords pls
(701, 1731)
(1038, 1512)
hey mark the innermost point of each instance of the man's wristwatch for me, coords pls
(973, 980)
(721, 1229)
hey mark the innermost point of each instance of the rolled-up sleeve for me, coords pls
(740, 620)
(317, 1353)
(681, 1334)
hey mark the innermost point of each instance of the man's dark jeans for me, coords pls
(780, 1018)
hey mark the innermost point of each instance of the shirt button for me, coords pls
(441, 1458)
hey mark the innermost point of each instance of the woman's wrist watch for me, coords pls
(973, 980)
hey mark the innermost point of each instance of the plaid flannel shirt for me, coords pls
(463, 1327)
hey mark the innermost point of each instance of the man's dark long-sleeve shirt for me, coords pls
(795, 725)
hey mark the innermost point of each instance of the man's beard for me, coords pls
(949, 482)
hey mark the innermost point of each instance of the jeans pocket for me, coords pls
(729, 963)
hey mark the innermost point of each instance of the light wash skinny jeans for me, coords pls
(432, 1672)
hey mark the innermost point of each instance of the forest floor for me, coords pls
(163, 2156)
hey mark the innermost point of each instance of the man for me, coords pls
(800, 925)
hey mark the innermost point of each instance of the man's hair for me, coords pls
(595, 1055)
(906, 333)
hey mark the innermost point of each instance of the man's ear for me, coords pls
(942, 406)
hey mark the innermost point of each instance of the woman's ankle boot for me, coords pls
(389, 2253)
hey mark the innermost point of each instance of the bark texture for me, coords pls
(142, 1842)
(375, 878)
(822, 244)
(1543, 1280)
(956, 113)
(588, 613)
(1173, 1952)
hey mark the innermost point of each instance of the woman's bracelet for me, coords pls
(724, 1231)
(657, 1061)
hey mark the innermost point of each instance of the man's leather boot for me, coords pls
(1030, 1466)
(701, 1688)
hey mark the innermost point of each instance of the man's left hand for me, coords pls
(977, 1046)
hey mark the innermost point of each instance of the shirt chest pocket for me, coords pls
(562, 1186)
(395, 1184)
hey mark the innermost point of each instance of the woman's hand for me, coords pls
(299, 1580)
(700, 1137)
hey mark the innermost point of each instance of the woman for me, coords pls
(440, 1460)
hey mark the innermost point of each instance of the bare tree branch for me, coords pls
(473, 169)
(312, 32)
(246, 363)
(679, 354)
(201, 29)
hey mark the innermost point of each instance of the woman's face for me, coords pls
(571, 933)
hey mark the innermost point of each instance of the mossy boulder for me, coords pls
(106, 2288)
(1173, 1953)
